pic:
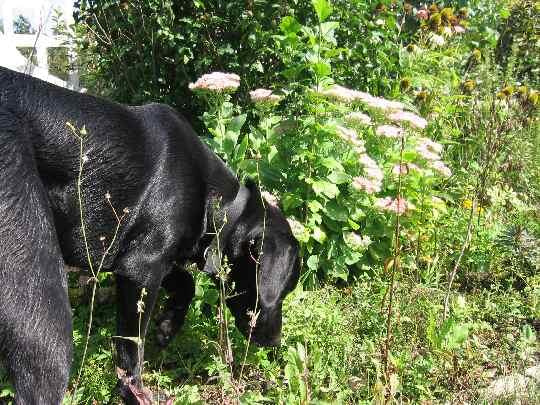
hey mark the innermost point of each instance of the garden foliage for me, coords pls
(354, 115)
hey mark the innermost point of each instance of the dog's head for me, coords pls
(263, 256)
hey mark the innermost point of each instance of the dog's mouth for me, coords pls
(259, 335)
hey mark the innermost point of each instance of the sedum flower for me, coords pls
(436, 40)
(357, 117)
(339, 93)
(409, 117)
(370, 186)
(389, 131)
(371, 182)
(382, 103)
(264, 96)
(396, 205)
(440, 166)
(349, 135)
(355, 241)
(216, 82)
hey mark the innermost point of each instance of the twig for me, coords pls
(397, 251)
(79, 134)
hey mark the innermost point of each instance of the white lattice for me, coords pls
(39, 13)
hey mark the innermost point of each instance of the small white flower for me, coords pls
(216, 82)
(414, 120)
(440, 166)
(107, 196)
(85, 158)
(447, 31)
(389, 131)
(264, 96)
(357, 117)
(379, 22)
(437, 40)
(370, 186)
(355, 241)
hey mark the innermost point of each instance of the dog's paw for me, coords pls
(165, 331)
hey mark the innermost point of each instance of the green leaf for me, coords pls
(290, 200)
(321, 69)
(272, 153)
(326, 188)
(323, 8)
(315, 206)
(313, 262)
(289, 25)
(336, 212)
(318, 234)
(237, 123)
(339, 177)
(332, 164)
(327, 31)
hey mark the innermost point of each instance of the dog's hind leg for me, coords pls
(35, 316)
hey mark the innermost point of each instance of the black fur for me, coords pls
(150, 161)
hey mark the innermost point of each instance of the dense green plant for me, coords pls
(479, 227)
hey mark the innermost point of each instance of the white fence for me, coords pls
(39, 13)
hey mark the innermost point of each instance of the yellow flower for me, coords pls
(467, 204)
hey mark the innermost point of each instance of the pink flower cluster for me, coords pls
(396, 205)
(264, 96)
(357, 117)
(372, 181)
(350, 135)
(345, 95)
(216, 82)
(430, 151)
(412, 119)
(389, 131)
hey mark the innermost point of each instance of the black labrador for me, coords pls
(184, 205)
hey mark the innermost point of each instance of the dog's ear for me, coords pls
(231, 215)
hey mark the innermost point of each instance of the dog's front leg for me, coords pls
(134, 274)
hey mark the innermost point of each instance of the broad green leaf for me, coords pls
(272, 153)
(323, 8)
(339, 177)
(289, 24)
(290, 200)
(321, 69)
(237, 123)
(315, 206)
(313, 262)
(325, 188)
(332, 164)
(318, 234)
(336, 212)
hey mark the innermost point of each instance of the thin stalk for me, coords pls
(255, 314)
(397, 251)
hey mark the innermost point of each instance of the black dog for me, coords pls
(177, 191)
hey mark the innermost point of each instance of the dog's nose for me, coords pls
(267, 341)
